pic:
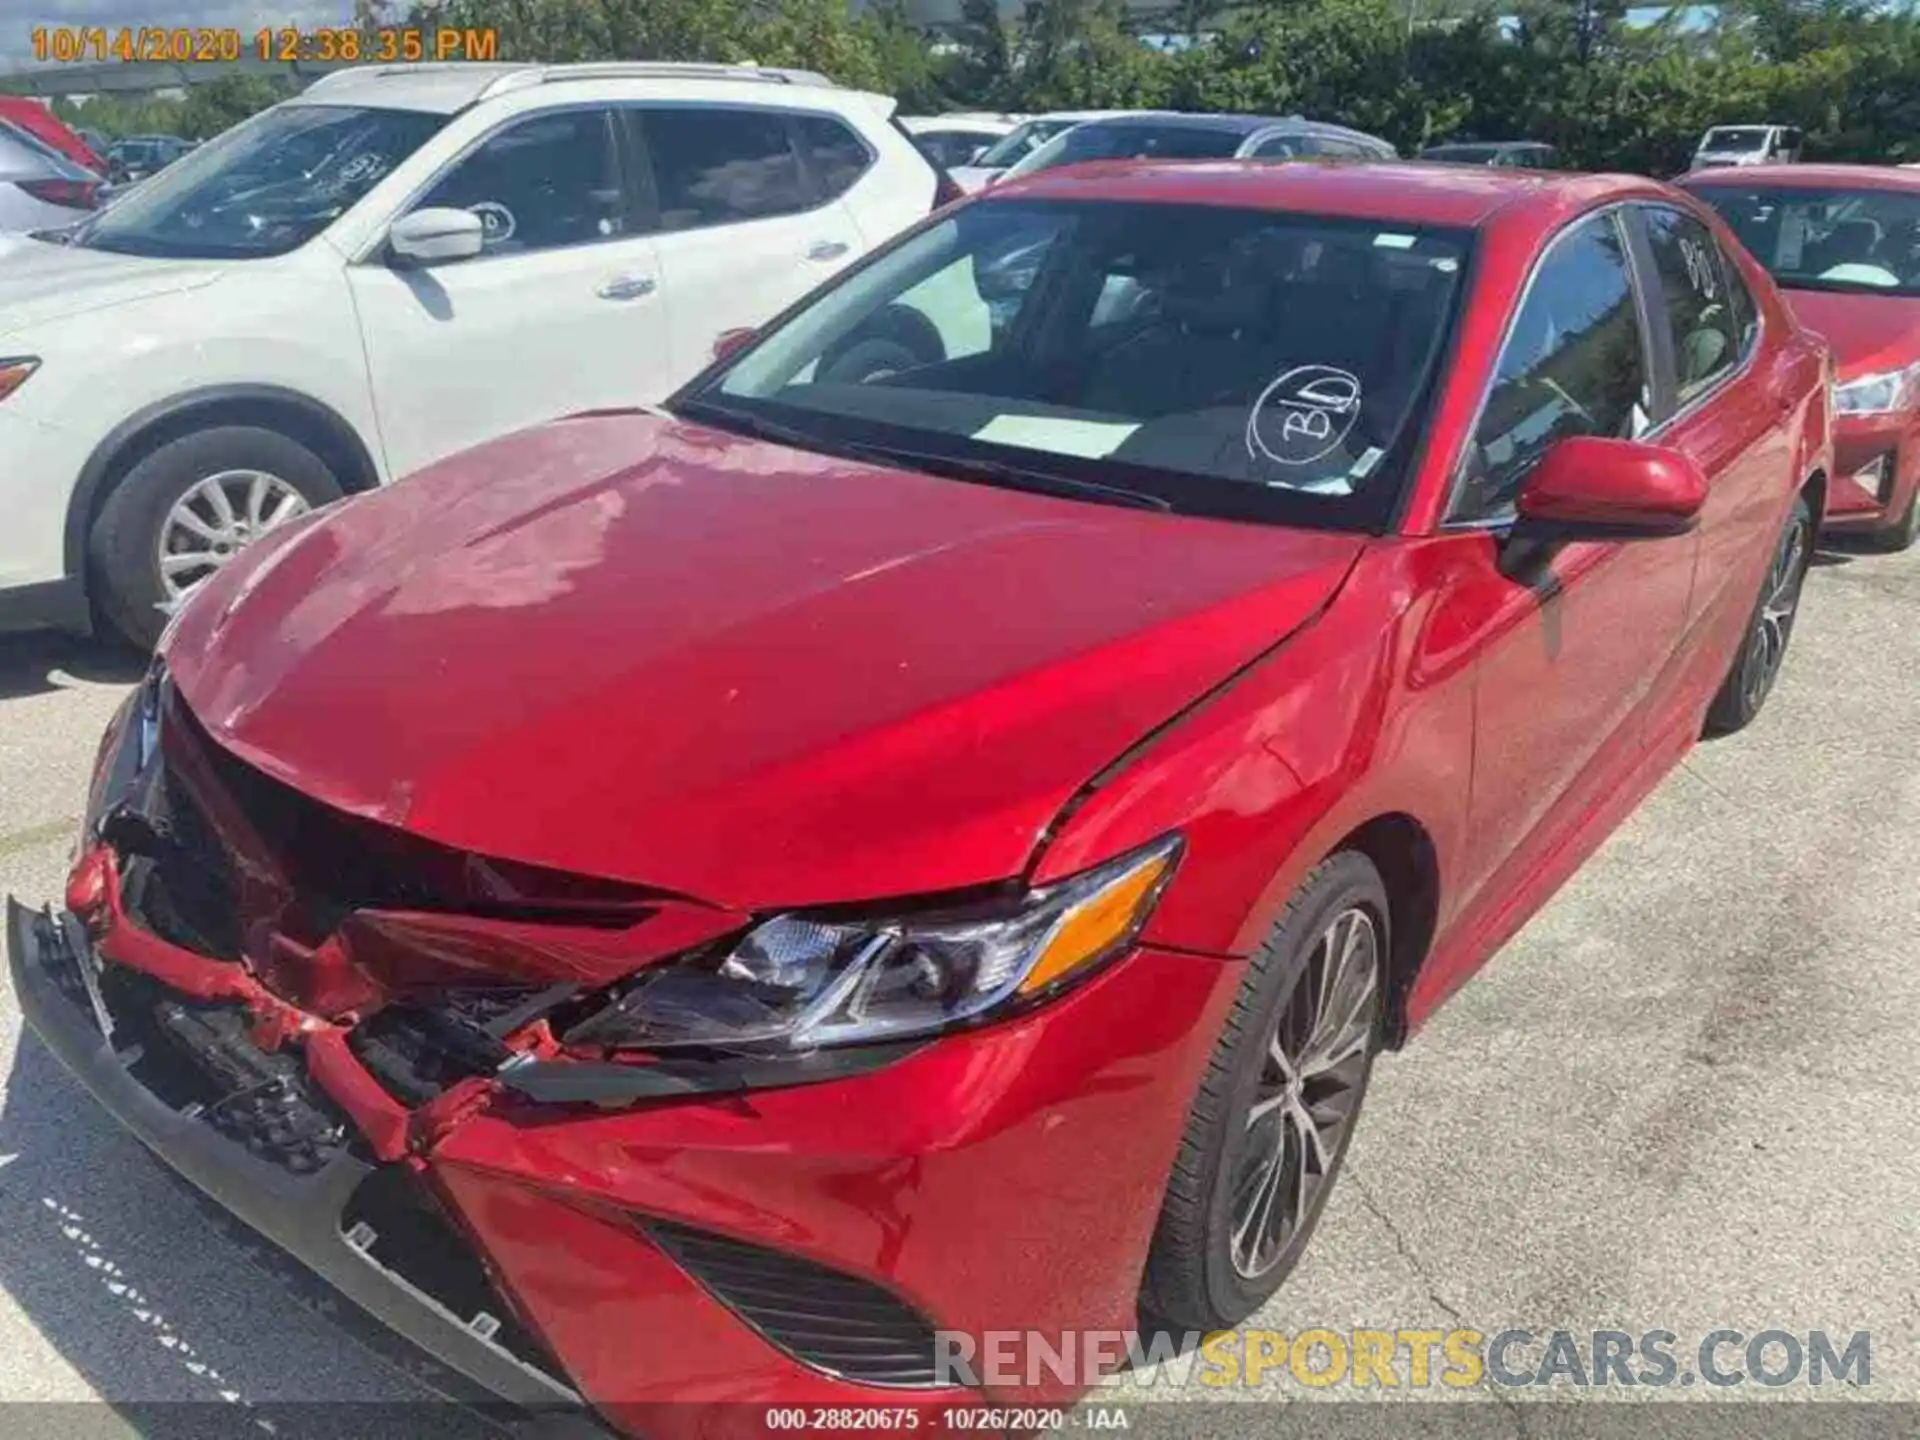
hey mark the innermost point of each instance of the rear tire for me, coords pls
(1296, 1055)
(1763, 649)
(143, 518)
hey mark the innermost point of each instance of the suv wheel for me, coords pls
(1270, 1126)
(186, 509)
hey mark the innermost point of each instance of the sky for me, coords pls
(18, 18)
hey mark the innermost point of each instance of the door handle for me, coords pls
(827, 249)
(626, 287)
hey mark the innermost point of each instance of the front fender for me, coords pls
(1366, 712)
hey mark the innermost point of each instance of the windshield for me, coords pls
(1865, 240)
(1131, 140)
(1016, 145)
(264, 187)
(1735, 137)
(1243, 363)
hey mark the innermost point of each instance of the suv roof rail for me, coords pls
(510, 77)
(347, 74)
(653, 69)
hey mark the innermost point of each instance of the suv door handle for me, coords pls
(626, 287)
(827, 249)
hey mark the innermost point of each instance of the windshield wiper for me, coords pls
(958, 467)
(1014, 477)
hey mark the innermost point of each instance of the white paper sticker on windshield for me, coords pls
(1387, 240)
(1303, 415)
(1089, 439)
(1363, 467)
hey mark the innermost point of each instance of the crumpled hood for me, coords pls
(624, 646)
(1868, 333)
(41, 282)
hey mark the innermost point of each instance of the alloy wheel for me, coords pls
(1311, 1080)
(207, 526)
(1773, 625)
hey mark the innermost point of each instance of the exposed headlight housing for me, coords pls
(1878, 393)
(796, 983)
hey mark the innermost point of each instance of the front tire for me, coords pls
(1268, 1131)
(184, 510)
(1756, 665)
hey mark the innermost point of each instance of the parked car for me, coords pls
(1512, 154)
(1747, 145)
(1843, 243)
(958, 139)
(1028, 136)
(133, 159)
(40, 188)
(744, 889)
(49, 129)
(1170, 135)
(396, 265)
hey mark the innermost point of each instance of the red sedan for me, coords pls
(1843, 243)
(927, 834)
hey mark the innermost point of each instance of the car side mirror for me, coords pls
(435, 235)
(1587, 487)
(732, 342)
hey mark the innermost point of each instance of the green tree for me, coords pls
(225, 102)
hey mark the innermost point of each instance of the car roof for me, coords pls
(1807, 177)
(446, 88)
(1486, 145)
(921, 124)
(1396, 190)
(1200, 120)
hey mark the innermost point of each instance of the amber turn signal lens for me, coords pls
(1099, 924)
(14, 373)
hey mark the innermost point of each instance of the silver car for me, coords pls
(40, 189)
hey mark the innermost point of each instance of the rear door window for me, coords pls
(714, 165)
(836, 155)
(1700, 315)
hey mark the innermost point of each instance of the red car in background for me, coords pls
(1843, 243)
(41, 123)
(929, 831)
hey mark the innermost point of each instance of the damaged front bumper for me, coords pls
(339, 1219)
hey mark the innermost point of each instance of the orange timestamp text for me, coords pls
(70, 44)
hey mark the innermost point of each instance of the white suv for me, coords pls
(400, 263)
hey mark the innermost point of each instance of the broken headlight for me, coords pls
(795, 983)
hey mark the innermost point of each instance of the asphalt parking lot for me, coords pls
(1686, 1097)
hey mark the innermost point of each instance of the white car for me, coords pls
(957, 138)
(399, 264)
(1725, 145)
(1020, 142)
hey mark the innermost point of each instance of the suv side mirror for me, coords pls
(436, 234)
(1587, 487)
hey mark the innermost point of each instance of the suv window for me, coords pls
(1693, 278)
(541, 183)
(1573, 364)
(1328, 147)
(716, 166)
(838, 156)
(1279, 147)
